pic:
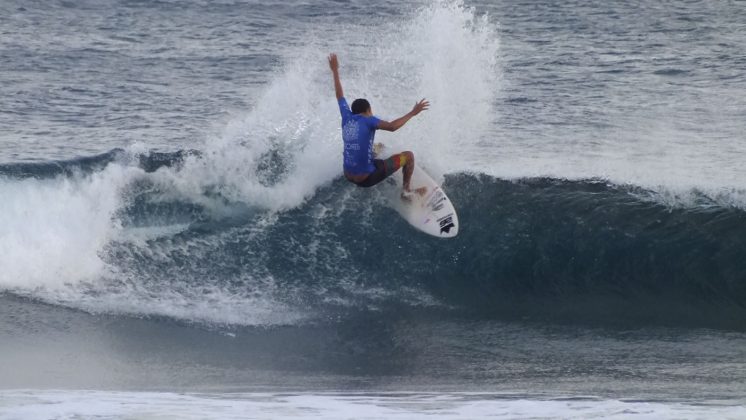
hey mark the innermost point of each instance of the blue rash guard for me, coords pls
(358, 132)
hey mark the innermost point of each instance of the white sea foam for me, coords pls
(87, 404)
(55, 237)
(52, 230)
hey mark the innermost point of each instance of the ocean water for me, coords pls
(176, 239)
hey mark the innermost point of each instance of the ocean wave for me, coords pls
(118, 240)
(149, 161)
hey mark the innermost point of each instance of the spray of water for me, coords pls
(53, 230)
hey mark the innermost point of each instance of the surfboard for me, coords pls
(431, 212)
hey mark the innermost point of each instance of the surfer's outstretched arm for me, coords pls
(399, 122)
(334, 65)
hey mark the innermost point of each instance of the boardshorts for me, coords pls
(384, 169)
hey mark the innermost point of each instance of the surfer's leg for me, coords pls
(406, 159)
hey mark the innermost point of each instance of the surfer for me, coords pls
(359, 127)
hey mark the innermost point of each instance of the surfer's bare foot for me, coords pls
(407, 194)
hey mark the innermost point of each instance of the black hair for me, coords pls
(360, 105)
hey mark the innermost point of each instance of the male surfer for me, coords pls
(358, 129)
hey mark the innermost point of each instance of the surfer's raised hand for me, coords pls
(334, 65)
(333, 62)
(420, 106)
(397, 123)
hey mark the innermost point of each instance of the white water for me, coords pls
(53, 230)
(146, 405)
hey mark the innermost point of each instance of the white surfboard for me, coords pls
(431, 212)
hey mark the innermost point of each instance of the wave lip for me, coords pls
(85, 165)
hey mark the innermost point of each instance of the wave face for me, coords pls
(533, 248)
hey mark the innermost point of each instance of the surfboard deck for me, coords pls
(431, 212)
